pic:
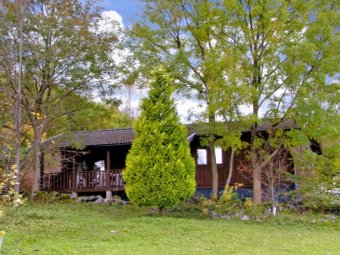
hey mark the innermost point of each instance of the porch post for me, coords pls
(73, 179)
(107, 173)
(42, 170)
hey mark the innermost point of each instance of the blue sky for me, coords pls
(129, 9)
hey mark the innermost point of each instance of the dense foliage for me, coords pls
(251, 61)
(160, 170)
(52, 53)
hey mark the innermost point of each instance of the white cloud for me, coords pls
(188, 109)
(113, 15)
(110, 20)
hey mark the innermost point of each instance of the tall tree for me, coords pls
(14, 71)
(159, 168)
(7, 135)
(256, 59)
(63, 47)
(88, 115)
(18, 112)
(180, 36)
(284, 51)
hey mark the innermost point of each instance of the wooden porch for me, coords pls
(85, 181)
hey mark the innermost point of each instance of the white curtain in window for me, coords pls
(218, 154)
(202, 157)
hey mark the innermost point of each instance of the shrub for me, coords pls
(51, 197)
(159, 168)
(8, 196)
(228, 204)
(312, 195)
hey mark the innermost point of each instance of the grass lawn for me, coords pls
(103, 229)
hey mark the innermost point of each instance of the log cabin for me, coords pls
(93, 161)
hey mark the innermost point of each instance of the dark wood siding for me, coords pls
(118, 156)
(203, 173)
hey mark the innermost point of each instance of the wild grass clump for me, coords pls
(52, 197)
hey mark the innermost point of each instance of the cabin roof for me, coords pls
(118, 136)
(203, 129)
(124, 136)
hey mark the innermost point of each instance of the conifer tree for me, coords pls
(159, 168)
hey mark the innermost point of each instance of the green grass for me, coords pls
(87, 229)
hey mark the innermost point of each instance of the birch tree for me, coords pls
(13, 61)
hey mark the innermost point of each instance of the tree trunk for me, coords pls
(231, 168)
(256, 168)
(36, 160)
(273, 200)
(161, 211)
(211, 147)
(257, 188)
(18, 103)
(36, 175)
(7, 172)
(214, 172)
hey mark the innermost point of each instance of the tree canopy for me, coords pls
(249, 61)
(58, 51)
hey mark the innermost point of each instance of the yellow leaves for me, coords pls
(38, 115)
(11, 197)
(248, 203)
(2, 233)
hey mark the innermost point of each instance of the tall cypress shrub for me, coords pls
(159, 168)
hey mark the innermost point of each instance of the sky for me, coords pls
(127, 12)
(130, 10)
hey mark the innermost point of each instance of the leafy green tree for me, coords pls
(180, 36)
(87, 115)
(13, 61)
(159, 168)
(62, 47)
(281, 53)
(250, 61)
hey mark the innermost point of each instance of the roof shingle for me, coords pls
(92, 138)
(123, 136)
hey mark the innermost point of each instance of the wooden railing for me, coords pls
(85, 181)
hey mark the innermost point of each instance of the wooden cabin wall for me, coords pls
(203, 173)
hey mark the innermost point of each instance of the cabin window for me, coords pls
(202, 158)
(218, 155)
(99, 165)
